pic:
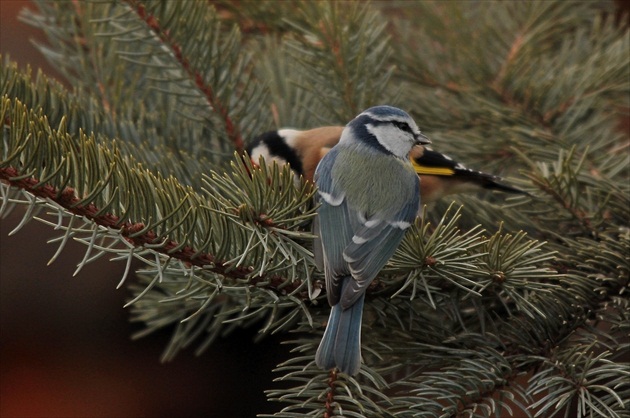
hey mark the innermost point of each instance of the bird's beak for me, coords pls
(421, 139)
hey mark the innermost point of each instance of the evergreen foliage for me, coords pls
(491, 306)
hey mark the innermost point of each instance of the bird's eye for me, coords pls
(403, 126)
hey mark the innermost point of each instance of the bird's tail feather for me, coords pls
(493, 184)
(341, 345)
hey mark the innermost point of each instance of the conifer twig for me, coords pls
(152, 22)
(67, 199)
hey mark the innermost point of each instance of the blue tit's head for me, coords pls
(384, 128)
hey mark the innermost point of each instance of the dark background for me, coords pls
(65, 347)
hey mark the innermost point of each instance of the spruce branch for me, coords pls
(170, 240)
(347, 51)
(112, 196)
(482, 383)
(321, 393)
(135, 233)
(184, 59)
(255, 18)
(437, 257)
(583, 370)
(192, 79)
(82, 113)
(541, 69)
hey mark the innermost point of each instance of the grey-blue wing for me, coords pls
(366, 261)
(372, 246)
(334, 228)
(352, 243)
(336, 233)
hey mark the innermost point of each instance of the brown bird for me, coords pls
(439, 174)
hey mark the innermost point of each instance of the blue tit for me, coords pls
(369, 195)
(439, 174)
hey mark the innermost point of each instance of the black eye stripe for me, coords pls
(403, 126)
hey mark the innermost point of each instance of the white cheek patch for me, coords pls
(392, 139)
(262, 151)
(290, 136)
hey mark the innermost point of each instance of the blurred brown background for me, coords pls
(65, 348)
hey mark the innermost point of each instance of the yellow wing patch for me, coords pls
(434, 171)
